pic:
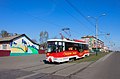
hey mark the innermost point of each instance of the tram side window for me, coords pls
(85, 47)
(71, 46)
(80, 48)
(68, 46)
(75, 46)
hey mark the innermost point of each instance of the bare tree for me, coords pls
(45, 36)
(43, 39)
(4, 33)
(15, 33)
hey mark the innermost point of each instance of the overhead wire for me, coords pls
(52, 23)
(74, 17)
(49, 22)
(77, 10)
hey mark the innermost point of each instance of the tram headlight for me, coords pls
(48, 54)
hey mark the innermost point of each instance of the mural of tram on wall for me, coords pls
(17, 45)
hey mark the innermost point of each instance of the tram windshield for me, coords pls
(54, 47)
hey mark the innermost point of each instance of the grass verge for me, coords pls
(92, 57)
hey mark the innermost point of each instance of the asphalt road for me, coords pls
(106, 68)
(33, 67)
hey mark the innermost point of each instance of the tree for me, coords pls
(43, 39)
(15, 33)
(4, 33)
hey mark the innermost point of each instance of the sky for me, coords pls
(30, 17)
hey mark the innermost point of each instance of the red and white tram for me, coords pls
(62, 50)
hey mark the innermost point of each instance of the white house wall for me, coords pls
(7, 47)
(23, 46)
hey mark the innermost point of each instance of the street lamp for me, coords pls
(104, 34)
(96, 28)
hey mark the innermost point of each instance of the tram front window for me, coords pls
(54, 47)
(51, 48)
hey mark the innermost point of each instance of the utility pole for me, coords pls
(96, 29)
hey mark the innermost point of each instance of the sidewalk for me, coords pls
(90, 69)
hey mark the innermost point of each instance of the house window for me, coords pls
(4, 46)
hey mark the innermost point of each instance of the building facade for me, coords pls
(93, 46)
(18, 45)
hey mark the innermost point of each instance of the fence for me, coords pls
(4, 53)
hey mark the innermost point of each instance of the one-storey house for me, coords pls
(18, 45)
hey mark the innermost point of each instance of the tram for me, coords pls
(63, 50)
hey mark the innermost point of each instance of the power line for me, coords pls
(71, 15)
(111, 43)
(79, 12)
(76, 19)
(52, 23)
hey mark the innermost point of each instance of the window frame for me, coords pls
(4, 46)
